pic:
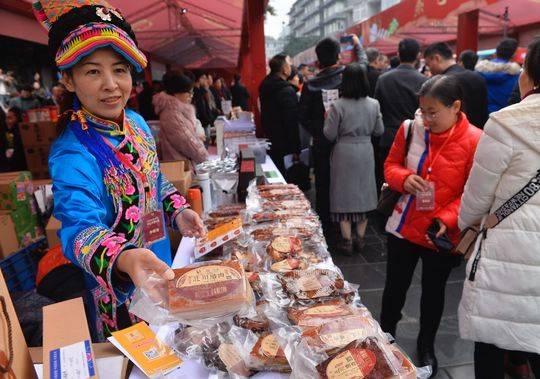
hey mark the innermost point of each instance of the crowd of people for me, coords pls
(418, 127)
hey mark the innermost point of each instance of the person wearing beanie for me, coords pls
(109, 194)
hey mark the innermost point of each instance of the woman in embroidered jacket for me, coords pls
(109, 193)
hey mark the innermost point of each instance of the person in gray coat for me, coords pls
(351, 122)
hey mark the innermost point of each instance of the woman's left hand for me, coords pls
(190, 224)
(442, 228)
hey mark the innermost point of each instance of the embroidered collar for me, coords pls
(105, 126)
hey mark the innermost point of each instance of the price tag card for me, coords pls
(425, 200)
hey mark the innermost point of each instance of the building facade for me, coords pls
(329, 17)
(273, 46)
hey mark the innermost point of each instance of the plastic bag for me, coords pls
(260, 352)
(201, 294)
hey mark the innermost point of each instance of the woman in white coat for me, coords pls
(500, 307)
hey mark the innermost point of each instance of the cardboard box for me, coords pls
(53, 226)
(179, 174)
(9, 243)
(16, 189)
(67, 339)
(38, 133)
(22, 366)
(111, 363)
(37, 160)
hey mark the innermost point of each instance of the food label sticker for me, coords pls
(153, 228)
(324, 310)
(309, 283)
(228, 354)
(270, 346)
(208, 275)
(425, 200)
(72, 361)
(340, 339)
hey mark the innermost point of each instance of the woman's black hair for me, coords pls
(532, 62)
(80, 16)
(354, 84)
(444, 88)
(176, 82)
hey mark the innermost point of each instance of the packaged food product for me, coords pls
(227, 210)
(339, 332)
(312, 284)
(284, 247)
(255, 282)
(267, 355)
(209, 289)
(288, 264)
(319, 314)
(277, 186)
(287, 205)
(366, 359)
(256, 324)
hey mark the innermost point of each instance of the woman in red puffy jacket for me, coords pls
(431, 175)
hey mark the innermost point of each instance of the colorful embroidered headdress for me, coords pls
(77, 28)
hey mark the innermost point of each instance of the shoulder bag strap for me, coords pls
(515, 202)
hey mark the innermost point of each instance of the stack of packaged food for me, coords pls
(272, 300)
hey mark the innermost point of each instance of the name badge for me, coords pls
(153, 228)
(425, 200)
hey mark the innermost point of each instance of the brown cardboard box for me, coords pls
(9, 243)
(52, 227)
(60, 332)
(41, 182)
(37, 160)
(38, 133)
(178, 173)
(22, 364)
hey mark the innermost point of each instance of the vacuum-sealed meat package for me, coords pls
(319, 314)
(267, 355)
(284, 247)
(256, 324)
(214, 289)
(312, 284)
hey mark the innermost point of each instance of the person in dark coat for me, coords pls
(373, 69)
(203, 111)
(312, 114)
(397, 91)
(439, 57)
(240, 94)
(279, 111)
(144, 98)
(11, 146)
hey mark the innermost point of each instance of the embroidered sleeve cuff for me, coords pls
(173, 205)
(96, 250)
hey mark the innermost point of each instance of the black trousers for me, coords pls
(403, 257)
(321, 167)
(489, 361)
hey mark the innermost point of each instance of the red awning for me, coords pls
(434, 21)
(187, 33)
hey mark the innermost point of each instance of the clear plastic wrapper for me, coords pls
(260, 352)
(257, 324)
(201, 294)
(213, 348)
(321, 313)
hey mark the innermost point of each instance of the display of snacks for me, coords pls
(208, 289)
(284, 247)
(214, 222)
(256, 324)
(287, 205)
(267, 355)
(321, 313)
(228, 210)
(276, 186)
(312, 284)
(279, 215)
(255, 282)
(366, 359)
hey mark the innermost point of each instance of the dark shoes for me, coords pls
(358, 245)
(345, 247)
(426, 357)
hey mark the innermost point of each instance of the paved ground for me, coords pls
(369, 269)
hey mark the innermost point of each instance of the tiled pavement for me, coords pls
(369, 269)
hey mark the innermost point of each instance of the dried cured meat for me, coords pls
(208, 289)
(312, 284)
(363, 359)
(255, 324)
(267, 355)
(288, 264)
(319, 314)
(284, 247)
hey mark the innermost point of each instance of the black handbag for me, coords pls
(389, 197)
